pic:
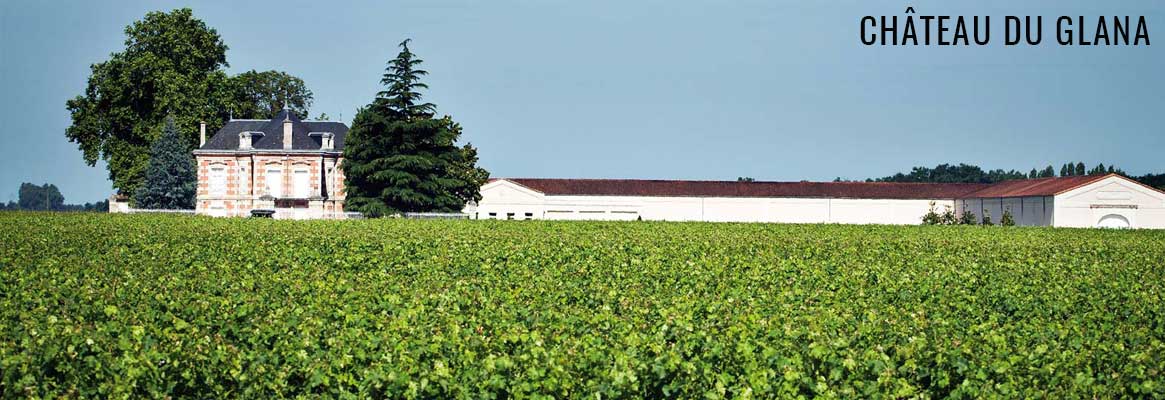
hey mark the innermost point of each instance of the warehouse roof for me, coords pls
(845, 190)
(1039, 187)
(676, 188)
(227, 138)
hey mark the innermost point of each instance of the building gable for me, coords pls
(1114, 190)
(503, 191)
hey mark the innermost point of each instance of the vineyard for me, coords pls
(146, 306)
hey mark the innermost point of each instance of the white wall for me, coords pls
(1084, 207)
(1081, 207)
(502, 198)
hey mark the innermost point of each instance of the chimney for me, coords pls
(201, 133)
(287, 129)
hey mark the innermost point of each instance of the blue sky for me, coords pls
(775, 90)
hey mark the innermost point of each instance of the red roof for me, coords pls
(843, 190)
(1036, 187)
(674, 188)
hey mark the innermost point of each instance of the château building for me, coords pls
(282, 164)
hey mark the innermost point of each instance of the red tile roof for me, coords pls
(850, 190)
(1035, 187)
(674, 188)
(1046, 186)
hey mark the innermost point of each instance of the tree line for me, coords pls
(966, 173)
(47, 197)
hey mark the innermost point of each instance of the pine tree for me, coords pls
(171, 176)
(1048, 172)
(399, 158)
(1080, 171)
(1064, 170)
(1033, 174)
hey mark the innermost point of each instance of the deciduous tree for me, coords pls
(173, 63)
(261, 95)
(40, 197)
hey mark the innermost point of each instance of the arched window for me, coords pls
(1114, 221)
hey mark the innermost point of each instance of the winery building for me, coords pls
(294, 168)
(282, 164)
(1081, 201)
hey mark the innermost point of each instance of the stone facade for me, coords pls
(290, 166)
(234, 184)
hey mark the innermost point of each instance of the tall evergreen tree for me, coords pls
(398, 157)
(1033, 174)
(1064, 170)
(171, 176)
(1048, 172)
(1080, 169)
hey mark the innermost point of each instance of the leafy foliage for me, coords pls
(173, 63)
(968, 218)
(1007, 219)
(965, 173)
(48, 197)
(946, 173)
(261, 95)
(141, 306)
(172, 177)
(399, 158)
(40, 197)
(1154, 180)
(946, 217)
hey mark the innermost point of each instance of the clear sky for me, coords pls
(775, 90)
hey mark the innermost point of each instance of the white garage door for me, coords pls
(1113, 221)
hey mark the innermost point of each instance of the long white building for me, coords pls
(1082, 201)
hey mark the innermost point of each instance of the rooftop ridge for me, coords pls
(1034, 187)
(740, 182)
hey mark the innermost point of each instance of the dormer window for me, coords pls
(247, 138)
(326, 139)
